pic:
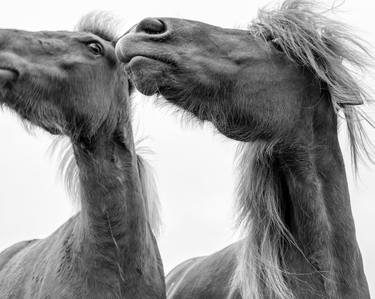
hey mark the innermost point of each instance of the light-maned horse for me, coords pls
(72, 84)
(279, 88)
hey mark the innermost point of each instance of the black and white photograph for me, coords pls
(187, 149)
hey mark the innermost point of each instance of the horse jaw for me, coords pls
(143, 71)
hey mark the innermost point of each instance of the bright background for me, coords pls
(193, 164)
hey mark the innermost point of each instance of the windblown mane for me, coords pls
(258, 190)
(329, 50)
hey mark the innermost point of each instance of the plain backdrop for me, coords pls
(193, 164)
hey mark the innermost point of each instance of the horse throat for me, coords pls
(115, 243)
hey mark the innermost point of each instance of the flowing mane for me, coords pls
(329, 50)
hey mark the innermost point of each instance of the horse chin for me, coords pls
(3, 94)
(146, 74)
(146, 87)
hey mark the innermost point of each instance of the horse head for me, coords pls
(68, 83)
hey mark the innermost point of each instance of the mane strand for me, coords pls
(150, 194)
(259, 272)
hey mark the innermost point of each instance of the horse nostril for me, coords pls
(151, 26)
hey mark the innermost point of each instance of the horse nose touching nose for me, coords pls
(151, 26)
(140, 38)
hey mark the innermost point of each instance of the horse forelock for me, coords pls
(68, 171)
(103, 24)
(332, 52)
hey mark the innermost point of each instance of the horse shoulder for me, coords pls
(8, 276)
(203, 277)
(26, 268)
(7, 254)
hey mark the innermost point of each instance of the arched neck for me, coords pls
(110, 183)
(114, 238)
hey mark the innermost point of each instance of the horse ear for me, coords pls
(342, 101)
(354, 102)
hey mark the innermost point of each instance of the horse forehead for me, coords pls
(58, 36)
(65, 40)
(67, 35)
(57, 39)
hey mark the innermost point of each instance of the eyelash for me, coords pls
(96, 48)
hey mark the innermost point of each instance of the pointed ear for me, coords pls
(331, 44)
(351, 102)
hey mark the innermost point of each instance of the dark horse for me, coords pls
(72, 84)
(279, 88)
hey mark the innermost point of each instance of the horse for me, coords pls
(280, 88)
(70, 83)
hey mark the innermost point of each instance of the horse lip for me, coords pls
(125, 55)
(162, 59)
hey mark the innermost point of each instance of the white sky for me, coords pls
(193, 165)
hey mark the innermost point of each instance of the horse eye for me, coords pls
(96, 48)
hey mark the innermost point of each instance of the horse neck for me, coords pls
(113, 231)
(315, 201)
